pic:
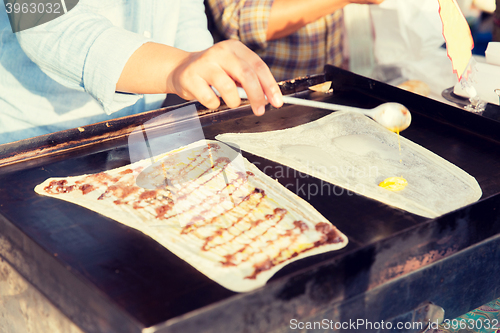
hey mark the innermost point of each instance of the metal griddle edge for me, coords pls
(395, 262)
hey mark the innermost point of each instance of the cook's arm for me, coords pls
(83, 50)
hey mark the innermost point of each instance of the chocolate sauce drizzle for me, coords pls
(252, 229)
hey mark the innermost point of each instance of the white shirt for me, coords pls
(63, 74)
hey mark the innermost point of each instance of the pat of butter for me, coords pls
(394, 183)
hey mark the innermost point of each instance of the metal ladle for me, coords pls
(393, 116)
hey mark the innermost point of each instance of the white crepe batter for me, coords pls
(356, 153)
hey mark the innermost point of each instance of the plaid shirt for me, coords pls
(302, 53)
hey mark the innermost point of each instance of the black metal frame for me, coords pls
(103, 276)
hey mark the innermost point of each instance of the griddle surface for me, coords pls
(152, 284)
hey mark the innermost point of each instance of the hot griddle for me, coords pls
(107, 277)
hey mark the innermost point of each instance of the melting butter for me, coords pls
(399, 145)
(394, 183)
(396, 130)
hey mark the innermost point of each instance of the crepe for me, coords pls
(356, 153)
(211, 208)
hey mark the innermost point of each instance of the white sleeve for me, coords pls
(192, 31)
(85, 51)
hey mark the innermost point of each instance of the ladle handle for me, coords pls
(310, 103)
(323, 105)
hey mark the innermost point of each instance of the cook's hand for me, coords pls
(157, 68)
(224, 66)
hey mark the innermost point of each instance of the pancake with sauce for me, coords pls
(352, 151)
(211, 208)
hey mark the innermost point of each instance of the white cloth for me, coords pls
(62, 74)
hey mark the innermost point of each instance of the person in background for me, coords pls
(294, 37)
(105, 59)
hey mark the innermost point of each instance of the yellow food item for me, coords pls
(394, 183)
(417, 87)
